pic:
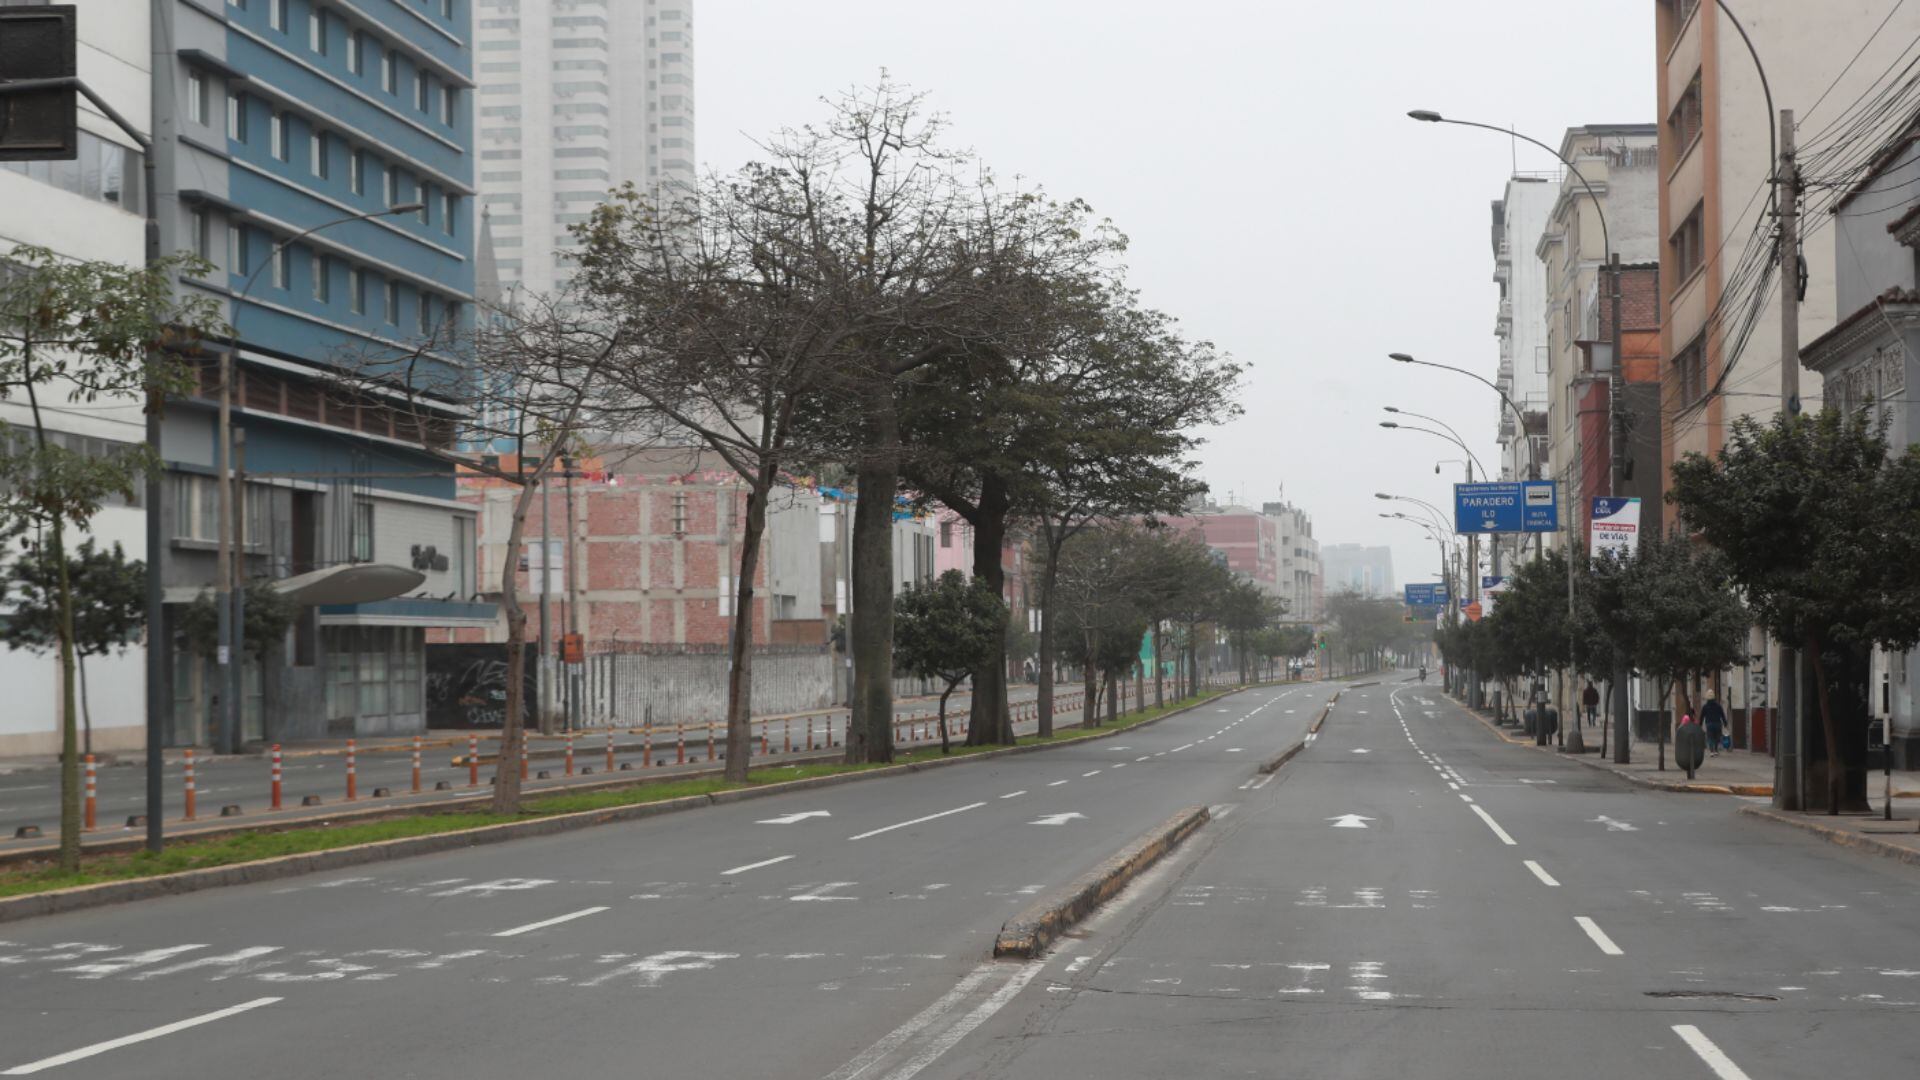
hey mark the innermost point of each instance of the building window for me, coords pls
(1684, 122)
(197, 99)
(389, 71)
(392, 302)
(356, 290)
(360, 535)
(460, 560)
(422, 93)
(277, 15)
(317, 31)
(357, 53)
(237, 117)
(196, 513)
(1687, 245)
(357, 171)
(449, 205)
(237, 249)
(391, 185)
(1690, 371)
(198, 233)
(282, 257)
(449, 104)
(322, 279)
(317, 154)
(280, 136)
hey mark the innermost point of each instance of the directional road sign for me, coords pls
(1525, 506)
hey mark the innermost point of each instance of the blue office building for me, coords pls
(273, 118)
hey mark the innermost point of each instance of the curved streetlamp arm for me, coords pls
(1454, 439)
(1606, 241)
(1533, 465)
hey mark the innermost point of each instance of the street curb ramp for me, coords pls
(1273, 764)
(1028, 934)
(1868, 844)
(81, 897)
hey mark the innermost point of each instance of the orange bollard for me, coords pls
(809, 732)
(679, 742)
(351, 794)
(416, 764)
(786, 735)
(276, 776)
(763, 738)
(473, 761)
(710, 757)
(609, 749)
(188, 766)
(521, 743)
(569, 753)
(92, 793)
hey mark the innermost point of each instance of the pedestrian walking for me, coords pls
(1714, 719)
(1590, 703)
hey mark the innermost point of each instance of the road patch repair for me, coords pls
(1028, 934)
(101, 894)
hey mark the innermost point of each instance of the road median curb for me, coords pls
(1028, 934)
(1273, 764)
(1872, 845)
(80, 897)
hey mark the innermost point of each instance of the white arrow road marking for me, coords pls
(918, 820)
(137, 1037)
(788, 819)
(1722, 1066)
(1598, 935)
(756, 865)
(1057, 819)
(1614, 826)
(1350, 821)
(555, 921)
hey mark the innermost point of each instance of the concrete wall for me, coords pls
(692, 687)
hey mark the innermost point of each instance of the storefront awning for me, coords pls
(354, 583)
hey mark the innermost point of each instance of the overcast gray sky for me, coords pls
(1257, 154)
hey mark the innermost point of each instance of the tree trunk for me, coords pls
(1089, 696)
(870, 626)
(1043, 693)
(1113, 698)
(70, 823)
(740, 648)
(506, 775)
(946, 746)
(1835, 773)
(1159, 671)
(86, 710)
(1568, 689)
(990, 718)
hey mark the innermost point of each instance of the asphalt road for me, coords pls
(793, 936)
(1621, 932)
(32, 796)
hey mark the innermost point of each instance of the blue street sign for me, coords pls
(1487, 582)
(1524, 507)
(1427, 595)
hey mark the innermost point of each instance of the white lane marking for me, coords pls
(137, 1037)
(556, 920)
(1466, 798)
(1539, 872)
(1722, 1066)
(788, 819)
(916, 821)
(1363, 750)
(1091, 772)
(820, 893)
(1453, 786)
(1598, 935)
(125, 962)
(1119, 764)
(1056, 783)
(1014, 794)
(756, 865)
(1262, 782)
(1177, 749)
(898, 1037)
(1142, 757)
(946, 1040)
(1614, 826)
(1494, 825)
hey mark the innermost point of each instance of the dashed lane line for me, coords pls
(1598, 935)
(916, 821)
(581, 914)
(1014, 794)
(137, 1037)
(1494, 825)
(1541, 873)
(1722, 1065)
(755, 865)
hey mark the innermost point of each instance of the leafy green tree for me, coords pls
(109, 607)
(1818, 527)
(948, 630)
(269, 613)
(90, 332)
(1246, 609)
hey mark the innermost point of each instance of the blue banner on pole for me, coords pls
(1527, 506)
(1427, 595)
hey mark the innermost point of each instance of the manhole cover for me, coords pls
(1716, 995)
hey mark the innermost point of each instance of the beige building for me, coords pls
(1620, 163)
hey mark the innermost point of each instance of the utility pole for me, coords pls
(1789, 762)
(236, 668)
(546, 666)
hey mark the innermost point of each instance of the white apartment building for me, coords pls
(1519, 216)
(1301, 585)
(87, 209)
(576, 97)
